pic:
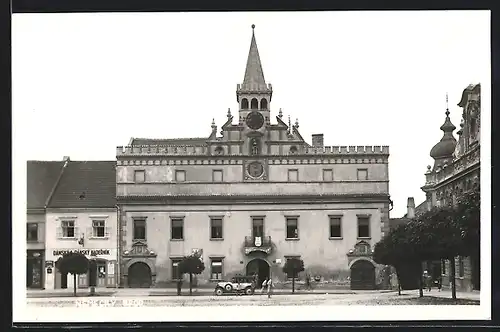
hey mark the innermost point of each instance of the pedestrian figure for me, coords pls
(427, 280)
(264, 286)
(269, 287)
(308, 282)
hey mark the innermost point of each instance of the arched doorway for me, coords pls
(362, 275)
(260, 267)
(139, 275)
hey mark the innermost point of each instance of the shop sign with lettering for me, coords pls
(86, 252)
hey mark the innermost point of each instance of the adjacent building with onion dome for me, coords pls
(250, 196)
(456, 169)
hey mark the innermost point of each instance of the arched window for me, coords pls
(254, 146)
(219, 150)
(244, 103)
(293, 149)
(263, 104)
(255, 104)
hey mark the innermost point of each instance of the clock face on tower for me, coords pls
(255, 120)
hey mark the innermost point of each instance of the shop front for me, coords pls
(106, 274)
(34, 268)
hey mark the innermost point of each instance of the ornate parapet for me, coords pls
(161, 150)
(442, 173)
(349, 150)
(258, 244)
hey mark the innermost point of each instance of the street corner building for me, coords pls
(456, 170)
(42, 177)
(81, 217)
(249, 197)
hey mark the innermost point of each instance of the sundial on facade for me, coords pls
(255, 120)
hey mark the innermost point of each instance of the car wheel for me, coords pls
(219, 291)
(249, 291)
(228, 288)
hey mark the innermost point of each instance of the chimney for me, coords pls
(317, 140)
(410, 214)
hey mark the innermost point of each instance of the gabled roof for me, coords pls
(86, 184)
(169, 141)
(42, 177)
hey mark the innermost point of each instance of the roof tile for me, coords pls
(41, 179)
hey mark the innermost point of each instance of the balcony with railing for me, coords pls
(258, 243)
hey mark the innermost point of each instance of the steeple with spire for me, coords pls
(254, 94)
(443, 151)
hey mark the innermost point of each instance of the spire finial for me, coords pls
(447, 110)
(280, 114)
(228, 112)
(297, 123)
(253, 26)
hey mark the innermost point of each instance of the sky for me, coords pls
(86, 83)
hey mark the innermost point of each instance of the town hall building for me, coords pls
(249, 197)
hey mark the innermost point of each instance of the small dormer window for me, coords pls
(219, 150)
(293, 149)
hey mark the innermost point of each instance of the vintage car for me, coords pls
(238, 285)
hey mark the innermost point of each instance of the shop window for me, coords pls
(32, 232)
(175, 269)
(177, 228)
(216, 228)
(216, 269)
(335, 227)
(460, 266)
(292, 228)
(139, 229)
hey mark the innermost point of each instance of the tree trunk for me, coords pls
(74, 284)
(293, 283)
(420, 282)
(190, 284)
(399, 283)
(453, 280)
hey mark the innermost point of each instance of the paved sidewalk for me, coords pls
(474, 295)
(131, 292)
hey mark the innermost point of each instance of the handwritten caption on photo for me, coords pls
(86, 303)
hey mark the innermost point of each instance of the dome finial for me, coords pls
(447, 110)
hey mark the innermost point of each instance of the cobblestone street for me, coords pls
(386, 298)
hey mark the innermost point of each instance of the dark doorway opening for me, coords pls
(139, 275)
(261, 268)
(64, 280)
(476, 271)
(362, 275)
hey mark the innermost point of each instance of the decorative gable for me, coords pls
(139, 249)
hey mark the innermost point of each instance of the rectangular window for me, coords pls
(217, 175)
(180, 176)
(98, 228)
(177, 228)
(139, 229)
(460, 266)
(139, 176)
(335, 227)
(292, 228)
(362, 174)
(363, 227)
(216, 269)
(216, 228)
(32, 232)
(293, 175)
(257, 227)
(175, 270)
(328, 175)
(443, 266)
(68, 228)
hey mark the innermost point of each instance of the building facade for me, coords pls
(250, 197)
(81, 217)
(42, 177)
(456, 170)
